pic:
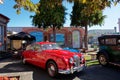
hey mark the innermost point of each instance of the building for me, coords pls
(66, 36)
(3, 27)
(95, 33)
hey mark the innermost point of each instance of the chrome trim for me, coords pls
(72, 70)
(76, 59)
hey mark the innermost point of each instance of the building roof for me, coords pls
(4, 16)
(21, 36)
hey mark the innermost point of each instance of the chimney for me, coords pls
(115, 29)
(119, 24)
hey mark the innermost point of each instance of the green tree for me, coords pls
(97, 4)
(50, 16)
(27, 5)
(81, 19)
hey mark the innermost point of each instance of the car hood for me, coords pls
(64, 53)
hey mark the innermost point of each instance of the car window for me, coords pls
(102, 41)
(118, 41)
(110, 41)
(29, 47)
(50, 46)
(46, 46)
(37, 47)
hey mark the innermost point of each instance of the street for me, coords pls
(96, 72)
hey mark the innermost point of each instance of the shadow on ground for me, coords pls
(96, 72)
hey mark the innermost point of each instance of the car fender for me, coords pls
(59, 61)
(103, 52)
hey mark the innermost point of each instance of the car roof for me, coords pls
(109, 36)
(45, 43)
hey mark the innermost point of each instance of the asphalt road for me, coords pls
(96, 72)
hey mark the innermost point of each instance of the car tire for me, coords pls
(103, 59)
(52, 69)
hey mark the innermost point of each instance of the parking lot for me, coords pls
(96, 72)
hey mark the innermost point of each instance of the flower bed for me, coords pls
(9, 78)
(17, 76)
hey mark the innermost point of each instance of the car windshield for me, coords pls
(50, 46)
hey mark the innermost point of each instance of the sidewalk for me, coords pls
(11, 69)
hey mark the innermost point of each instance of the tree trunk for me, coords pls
(54, 34)
(85, 38)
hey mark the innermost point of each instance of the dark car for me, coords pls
(109, 50)
(18, 42)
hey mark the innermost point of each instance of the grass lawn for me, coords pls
(90, 62)
(87, 57)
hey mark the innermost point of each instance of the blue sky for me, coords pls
(24, 20)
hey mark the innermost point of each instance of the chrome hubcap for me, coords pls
(51, 70)
(102, 59)
(23, 61)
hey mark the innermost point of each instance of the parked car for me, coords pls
(109, 50)
(18, 42)
(55, 60)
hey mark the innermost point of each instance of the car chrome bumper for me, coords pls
(72, 70)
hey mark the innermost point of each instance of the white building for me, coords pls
(95, 33)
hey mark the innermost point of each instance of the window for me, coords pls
(118, 41)
(50, 46)
(37, 47)
(110, 41)
(29, 47)
(102, 41)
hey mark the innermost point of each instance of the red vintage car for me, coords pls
(55, 60)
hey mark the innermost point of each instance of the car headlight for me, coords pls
(16, 52)
(71, 60)
(82, 56)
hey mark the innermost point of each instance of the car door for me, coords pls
(114, 48)
(117, 50)
(28, 52)
(38, 56)
(33, 54)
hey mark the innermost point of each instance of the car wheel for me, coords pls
(103, 59)
(52, 69)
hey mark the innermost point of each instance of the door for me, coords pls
(76, 39)
(2, 48)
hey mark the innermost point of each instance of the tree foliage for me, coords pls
(94, 5)
(78, 18)
(49, 15)
(52, 14)
(27, 5)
